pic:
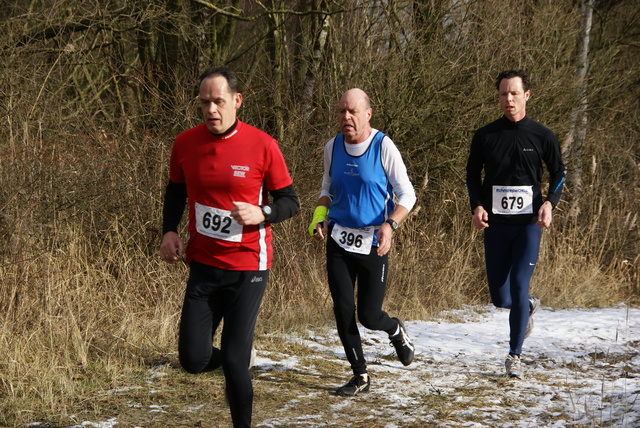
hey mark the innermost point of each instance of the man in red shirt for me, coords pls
(224, 170)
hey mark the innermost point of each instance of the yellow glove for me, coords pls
(319, 215)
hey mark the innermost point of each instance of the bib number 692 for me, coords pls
(216, 222)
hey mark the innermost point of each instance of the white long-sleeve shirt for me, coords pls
(392, 163)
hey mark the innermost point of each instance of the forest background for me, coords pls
(93, 92)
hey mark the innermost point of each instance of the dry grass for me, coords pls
(81, 319)
(88, 307)
(157, 393)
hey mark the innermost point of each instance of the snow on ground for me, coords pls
(582, 368)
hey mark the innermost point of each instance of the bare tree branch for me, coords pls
(239, 16)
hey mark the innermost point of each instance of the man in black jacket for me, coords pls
(508, 203)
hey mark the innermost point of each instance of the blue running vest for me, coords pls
(360, 192)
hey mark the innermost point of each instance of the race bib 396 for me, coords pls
(354, 240)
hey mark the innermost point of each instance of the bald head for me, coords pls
(356, 95)
(354, 114)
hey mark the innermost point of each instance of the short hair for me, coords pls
(510, 74)
(232, 80)
(367, 100)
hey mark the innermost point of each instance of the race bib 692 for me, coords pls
(217, 223)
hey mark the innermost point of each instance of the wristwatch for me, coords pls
(392, 223)
(266, 211)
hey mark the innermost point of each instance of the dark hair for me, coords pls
(232, 80)
(510, 74)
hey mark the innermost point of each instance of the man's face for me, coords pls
(513, 98)
(354, 115)
(218, 104)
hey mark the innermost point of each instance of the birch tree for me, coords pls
(574, 142)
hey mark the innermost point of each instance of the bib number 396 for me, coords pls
(510, 200)
(354, 240)
(217, 223)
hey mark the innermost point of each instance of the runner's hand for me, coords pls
(171, 248)
(247, 214)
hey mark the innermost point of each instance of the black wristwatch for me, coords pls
(392, 223)
(266, 211)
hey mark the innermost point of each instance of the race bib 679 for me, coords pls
(511, 200)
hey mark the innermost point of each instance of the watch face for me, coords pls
(393, 224)
(266, 210)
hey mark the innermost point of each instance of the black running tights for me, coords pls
(370, 271)
(213, 294)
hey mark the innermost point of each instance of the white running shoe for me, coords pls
(534, 304)
(512, 366)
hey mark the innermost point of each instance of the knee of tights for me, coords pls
(191, 367)
(194, 366)
(503, 305)
(344, 312)
(370, 322)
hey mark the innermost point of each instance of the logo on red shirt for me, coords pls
(239, 170)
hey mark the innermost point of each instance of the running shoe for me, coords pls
(534, 304)
(403, 345)
(512, 366)
(357, 384)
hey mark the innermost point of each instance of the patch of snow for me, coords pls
(581, 367)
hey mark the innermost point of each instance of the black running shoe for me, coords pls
(403, 345)
(356, 385)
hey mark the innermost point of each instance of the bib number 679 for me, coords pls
(511, 202)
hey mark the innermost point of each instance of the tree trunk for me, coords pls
(279, 63)
(168, 49)
(573, 144)
(320, 31)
